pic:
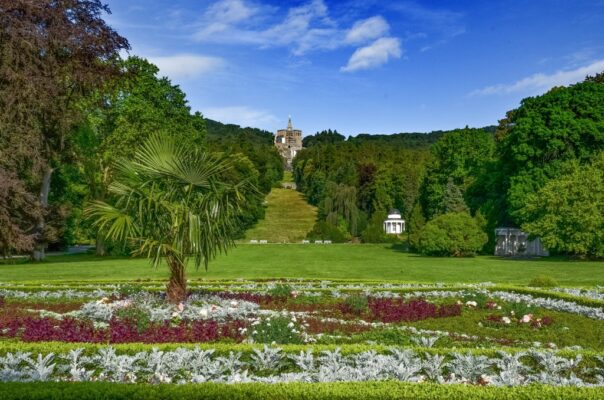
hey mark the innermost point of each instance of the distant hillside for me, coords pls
(408, 139)
(256, 144)
(220, 133)
(224, 133)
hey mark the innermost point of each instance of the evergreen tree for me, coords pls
(453, 199)
(417, 221)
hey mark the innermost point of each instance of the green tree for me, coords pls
(139, 104)
(459, 158)
(417, 221)
(374, 232)
(539, 138)
(143, 103)
(323, 137)
(171, 202)
(567, 213)
(454, 234)
(340, 203)
(453, 199)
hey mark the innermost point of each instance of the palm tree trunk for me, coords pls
(177, 286)
(100, 245)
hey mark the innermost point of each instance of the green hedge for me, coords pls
(305, 391)
(13, 346)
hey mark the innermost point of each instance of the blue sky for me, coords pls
(363, 66)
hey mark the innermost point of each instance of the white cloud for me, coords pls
(185, 66)
(541, 82)
(221, 16)
(306, 27)
(368, 29)
(374, 55)
(302, 29)
(241, 115)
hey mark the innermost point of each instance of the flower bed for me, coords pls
(228, 317)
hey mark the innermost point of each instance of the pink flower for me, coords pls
(181, 306)
(294, 293)
(526, 318)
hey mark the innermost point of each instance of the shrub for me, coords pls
(356, 304)
(280, 330)
(481, 299)
(325, 231)
(517, 309)
(543, 281)
(129, 290)
(280, 290)
(454, 234)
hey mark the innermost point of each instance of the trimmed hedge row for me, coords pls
(305, 391)
(247, 349)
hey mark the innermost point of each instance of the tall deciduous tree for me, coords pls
(138, 104)
(539, 138)
(52, 52)
(460, 156)
(567, 213)
(172, 202)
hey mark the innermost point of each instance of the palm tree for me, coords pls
(172, 202)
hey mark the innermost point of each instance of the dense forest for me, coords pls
(540, 169)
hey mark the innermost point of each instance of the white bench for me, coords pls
(318, 242)
(263, 241)
(305, 241)
(327, 242)
(253, 241)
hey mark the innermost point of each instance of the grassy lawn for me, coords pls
(288, 218)
(345, 261)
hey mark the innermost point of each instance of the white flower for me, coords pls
(204, 313)
(290, 325)
(506, 320)
(471, 304)
(526, 318)
(234, 303)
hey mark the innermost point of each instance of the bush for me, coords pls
(281, 330)
(543, 281)
(280, 290)
(325, 231)
(454, 234)
(356, 304)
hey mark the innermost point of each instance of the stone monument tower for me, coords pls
(288, 141)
